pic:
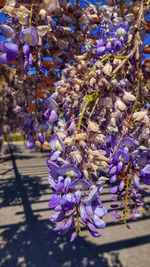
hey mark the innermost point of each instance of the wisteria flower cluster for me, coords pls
(79, 78)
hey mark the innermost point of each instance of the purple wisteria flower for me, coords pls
(9, 51)
(125, 176)
(51, 112)
(75, 201)
(113, 40)
(28, 57)
(145, 173)
(30, 142)
(29, 36)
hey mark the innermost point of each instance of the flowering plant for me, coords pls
(79, 76)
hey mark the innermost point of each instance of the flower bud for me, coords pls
(121, 105)
(43, 13)
(138, 116)
(128, 97)
(41, 138)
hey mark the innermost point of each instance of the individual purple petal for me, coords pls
(52, 183)
(100, 42)
(114, 198)
(100, 212)
(117, 45)
(119, 166)
(78, 195)
(100, 50)
(145, 172)
(67, 183)
(137, 182)
(122, 205)
(70, 170)
(94, 234)
(135, 211)
(26, 50)
(26, 66)
(80, 183)
(3, 59)
(134, 193)
(40, 64)
(113, 170)
(82, 213)
(89, 211)
(142, 157)
(58, 217)
(10, 47)
(56, 143)
(121, 155)
(53, 116)
(68, 201)
(113, 179)
(99, 223)
(121, 31)
(6, 31)
(58, 208)
(53, 169)
(52, 104)
(109, 46)
(30, 59)
(93, 230)
(63, 200)
(70, 198)
(30, 142)
(146, 180)
(126, 150)
(68, 224)
(73, 236)
(60, 184)
(91, 227)
(121, 185)
(128, 142)
(47, 113)
(92, 195)
(139, 204)
(41, 138)
(29, 36)
(65, 225)
(54, 201)
(59, 227)
(113, 190)
(55, 155)
(11, 56)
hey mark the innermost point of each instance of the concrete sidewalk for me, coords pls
(27, 239)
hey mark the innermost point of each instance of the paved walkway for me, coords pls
(27, 239)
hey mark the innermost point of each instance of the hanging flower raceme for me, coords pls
(128, 169)
(42, 119)
(76, 201)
